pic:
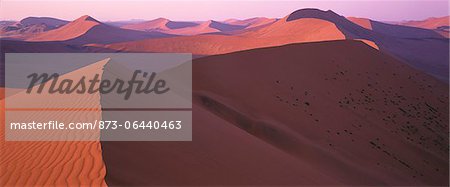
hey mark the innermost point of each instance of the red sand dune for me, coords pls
(363, 22)
(160, 24)
(53, 163)
(18, 32)
(309, 25)
(207, 27)
(252, 22)
(269, 117)
(183, 28)
(306, 25)
(278, 33)
(51, 22)
(440, 25)
(430, 23)
(299, 30)
(88, 30)
(29, 26)
(406, 29)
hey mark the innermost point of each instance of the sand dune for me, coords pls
(278, 33)
(29, 26)
(440, 25)
(300, 30)
(160, 24)
(220, 154)
(184, 28)
(352, 30)
(86, 30)
(252, 22)
(363, 22)
(72, 30)
(281, 103)
(430, 23)
(384, 124)
(310, 25)
(319, 113)
(53, 163)
(51, 22)
(206, 27)
(9, 46)
(306, 25)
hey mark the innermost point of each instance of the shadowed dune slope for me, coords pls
(269, 116)
(440, 25)
(51, 22)
(29, 26)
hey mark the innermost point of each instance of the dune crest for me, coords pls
(86, 29)
(430, 23)
(72, 30)
(251, 22)
(53, 163)
(184, 28)
(312, 25)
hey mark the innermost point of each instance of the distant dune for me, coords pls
(51, 22)
(403, 29)
(306, 25)
(310, 25)
(269, 117)
(399, 31)
(441, 25)
(29, 26)
(252, 22)
(430, 23)
(298, 30)
(86, 30)
(160, 24)
(278, 33)
(183, 28)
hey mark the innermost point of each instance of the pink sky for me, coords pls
(104, 10)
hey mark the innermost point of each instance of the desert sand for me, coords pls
(252, 22)
(309, 25)
(270, 116)
(440, 25)
(195, 28)
(53, 163)
(278, 33)
(313, 98)
(28, 27)
(430, 23)
(86, 30)
(184, 28)
(159, 24)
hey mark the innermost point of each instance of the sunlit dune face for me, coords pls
(363, 22)
(69, 31)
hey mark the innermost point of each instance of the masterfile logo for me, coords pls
(108, 97)
(82, 86)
